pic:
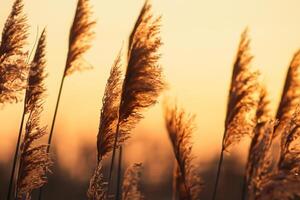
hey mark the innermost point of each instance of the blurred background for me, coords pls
(200, 40)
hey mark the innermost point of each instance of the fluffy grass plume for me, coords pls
(243, 96)
(131, 183)
(242, 104)
(79, 42)
(143, 80)
(107, 128)
(290, 97)
(110, 110)
(259, 159)
(13, 67)
(283, 182)
(98, 187)
(36, 79)
(34, 159)
(180, 127)
(80, 38)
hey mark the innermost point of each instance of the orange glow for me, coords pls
(200, 41)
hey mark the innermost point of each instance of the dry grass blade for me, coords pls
(131, 188)
(80, 37)
(13, 67)
(36, 86)
(143, 80)
(34, 160)
(243, 97)
(97, 189)
(110, 110)
(290, 95)
(180, 127)
(283, 183)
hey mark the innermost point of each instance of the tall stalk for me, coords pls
(13, 170)
(113, 156)
(119, 192)
(53, 123)
(221, 158)
(143, 80)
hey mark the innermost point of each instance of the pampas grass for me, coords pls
(98, 187)
(34, 94)
(131, 183)
(109, 111)
(259, 162)
(13, 67)
(34, 160)
(108, 122)
(242, 102)
(80, 38)
(79, 42)
(143, 78)
(283, 182)
(290, 95)
(180, 127)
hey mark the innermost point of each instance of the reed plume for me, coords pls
(143, 80)
(180, 127)
(36, 79)
(13, 67)
(110, 111)
(290, 95)
(106, 133)
(79, 42)
(34, 93)
(80, 38)
(283, 182)
(131, 182)
(242, 102)
(98, 187)
(259, 159)
(243, 96)
(34, 159)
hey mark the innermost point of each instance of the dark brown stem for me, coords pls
(12, 176)
(119, 193)
(219, 169)
(113, 157)
(53, 124)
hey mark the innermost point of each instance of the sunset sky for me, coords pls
(200, 42)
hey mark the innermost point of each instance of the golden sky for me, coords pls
(200, 41)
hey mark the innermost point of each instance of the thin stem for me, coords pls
(55, 113)
(113, 156)
(53, 124)
(12, 176)
(174, 185)
(119, 193)
(20, 167)
(244, 191)
(218, 174)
